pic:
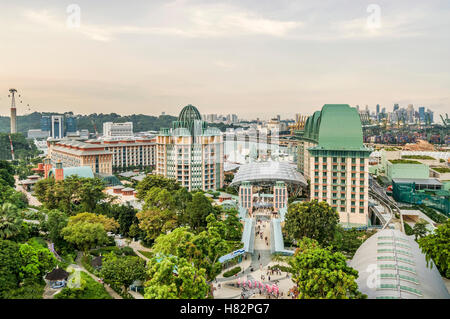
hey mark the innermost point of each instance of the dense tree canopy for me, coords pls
(202, 249)
(319, 273)
(197, 210)
(316, 220)
(109, 224)
(175, 278)
(56, 221)
(10, 221)
(71, 195)
(436, 247)
(85, 235)
(151, 181)
(10, 262)
(122, 271)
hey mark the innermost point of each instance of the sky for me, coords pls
(254, 58)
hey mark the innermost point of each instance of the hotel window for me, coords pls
(353, 210)
(361, 210)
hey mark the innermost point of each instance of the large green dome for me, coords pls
(188, 114)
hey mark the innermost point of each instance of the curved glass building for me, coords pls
(190, 152)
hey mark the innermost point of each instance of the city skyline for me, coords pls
(254, 59)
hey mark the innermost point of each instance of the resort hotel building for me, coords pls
(331, 154)
(190, 152)
(104, 156)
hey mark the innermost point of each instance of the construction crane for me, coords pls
(299, 123)
(444, 120)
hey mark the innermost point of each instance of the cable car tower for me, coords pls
(13, 110)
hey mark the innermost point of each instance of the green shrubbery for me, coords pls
(232, 272)
(430, 212)
(89, 289)
(408, 229)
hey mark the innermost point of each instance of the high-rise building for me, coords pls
(46, 123)
(111, 129)
(422, 113)
(234, 118)
(190, 152)
(57, 126)
(430, 115)
(410, 113)
(396, 107)
(333, 157)
(71, 124)
(377, 110)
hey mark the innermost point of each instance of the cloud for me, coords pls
(206, 21)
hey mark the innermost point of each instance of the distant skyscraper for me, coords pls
(377, 110)
(357, 108)
(234, 118)
(57, 126)
(430, 115)
(410, 113)
(396, 107)
(46, 123)
(71, 124)
(422, 113)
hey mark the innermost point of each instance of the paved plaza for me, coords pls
(255, 267)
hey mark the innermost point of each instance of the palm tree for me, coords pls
(10, 221)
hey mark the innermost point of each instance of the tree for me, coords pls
(156, 222)
(436, 247)
(347, 241)
(124, 214)
(56, 221)
(74, 193)
(109, 224)
(123, 270)
(197, 210)
(233, 225)
(174, 242)
(35, 261)
(10, 221)
(6, 177)
(10, 195)
(151, 181)
(85, 235)
(420, 229)
(9, 266)
(89, 191)
(321, 274)
(316, 220)
(202, 250)
(175, 278)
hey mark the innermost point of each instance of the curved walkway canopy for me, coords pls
(268, 172)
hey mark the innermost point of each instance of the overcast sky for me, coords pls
(250, 57)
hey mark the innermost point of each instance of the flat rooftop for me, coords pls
(417, 181)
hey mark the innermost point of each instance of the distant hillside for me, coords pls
(140, 122)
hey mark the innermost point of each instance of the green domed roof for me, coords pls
(188, 114)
